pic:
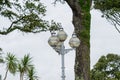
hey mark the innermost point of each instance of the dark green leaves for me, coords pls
(5, 3)
(7, 13)
(11, 63)
(26, 16)
(1, 58)
(110, 10)
(107, 68)
(106, 4)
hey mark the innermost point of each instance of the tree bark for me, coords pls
(21, 76)
(81, 22)
(6, 75)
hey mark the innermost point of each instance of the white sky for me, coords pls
(104, 39)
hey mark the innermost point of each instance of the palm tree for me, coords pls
(1, 58)
(32, 74)
(11, 64)
(24, 65)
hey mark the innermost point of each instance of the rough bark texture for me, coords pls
(81, 22)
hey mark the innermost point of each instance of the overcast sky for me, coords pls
(104, 39)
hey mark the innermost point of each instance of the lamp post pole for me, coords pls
(63, 61)
(63, 51)
(57, 42)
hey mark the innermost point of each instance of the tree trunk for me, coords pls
(21, 76)
(5, 75)
(81, 22)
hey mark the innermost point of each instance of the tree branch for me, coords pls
(117, 28)
(114, 22)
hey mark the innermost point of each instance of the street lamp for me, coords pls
(57, 43)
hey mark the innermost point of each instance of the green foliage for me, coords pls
(107, 68)
(1, 58)
(32, 74)
(11, 62)
(86, 18)
(24, 66)
(104, 5)
(25, 16)
(86, 6)
(4, 3)
(110, 10)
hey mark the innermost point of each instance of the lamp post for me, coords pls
(57, 43)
